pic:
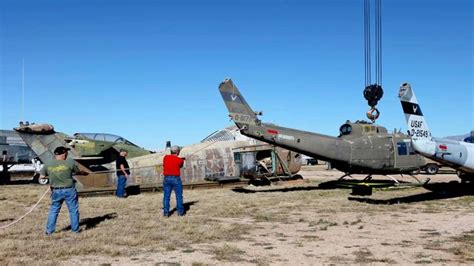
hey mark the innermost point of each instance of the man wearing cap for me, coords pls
(123, 173)
(172, 181)
(59, 171)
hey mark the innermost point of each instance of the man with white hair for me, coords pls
(172, 181)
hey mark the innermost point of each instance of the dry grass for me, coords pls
(270, 226)
(228, 253)
(113, 227)
(464, 248)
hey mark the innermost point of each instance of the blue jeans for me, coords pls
(173, 183)
(121, 182)
(57, 197)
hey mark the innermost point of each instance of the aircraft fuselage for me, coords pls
(380, 153)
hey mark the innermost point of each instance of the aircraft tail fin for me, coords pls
(43, 142)
(417, 126)
(239, 110)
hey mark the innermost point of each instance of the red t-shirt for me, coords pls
(171, 165)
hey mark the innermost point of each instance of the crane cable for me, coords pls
(378, 39)
(373, 92)
(367, 54)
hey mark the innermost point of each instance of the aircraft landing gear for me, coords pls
(342, 177)
(368, 178)
(418, 180)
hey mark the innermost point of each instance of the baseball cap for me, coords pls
(60, 150)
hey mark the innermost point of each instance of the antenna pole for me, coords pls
(23, 90)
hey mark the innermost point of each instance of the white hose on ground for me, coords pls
(28, 212)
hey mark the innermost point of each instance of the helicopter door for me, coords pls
(372, 152)
(404, 153)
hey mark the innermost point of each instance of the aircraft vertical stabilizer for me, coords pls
(457, 154)
(239, 110)
(416, 122)
(417, 126)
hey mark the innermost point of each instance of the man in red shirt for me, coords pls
(172, 181)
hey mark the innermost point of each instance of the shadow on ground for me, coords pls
(187, 207)
(21, 182)
(350, 183)
(438, 191)
(92, 222)
(286, 189)
(333, 184)
(6, 220)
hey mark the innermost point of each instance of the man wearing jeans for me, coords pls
(59, 172)
(123, 173)
(172, 181)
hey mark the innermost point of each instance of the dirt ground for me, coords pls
(286, 223)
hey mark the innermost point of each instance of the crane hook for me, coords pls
(373, 114)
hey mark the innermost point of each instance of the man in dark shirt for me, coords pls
(172, 181)
(123, 173)
(59, 172)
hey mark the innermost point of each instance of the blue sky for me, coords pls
(149, 70)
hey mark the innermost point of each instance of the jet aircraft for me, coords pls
(89, 148)
(225, 155)
(456, 154)
(361, 147)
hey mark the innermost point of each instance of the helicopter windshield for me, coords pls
(345, 129)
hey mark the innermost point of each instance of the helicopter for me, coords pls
(361, 147)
